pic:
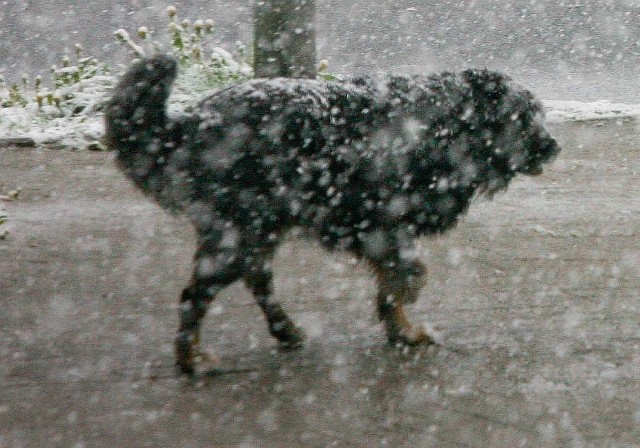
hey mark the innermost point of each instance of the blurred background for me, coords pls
(582, 50)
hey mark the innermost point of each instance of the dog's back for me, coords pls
(332, 156)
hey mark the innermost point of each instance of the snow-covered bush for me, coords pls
(67, 113)
(202, 67)
(12, 96)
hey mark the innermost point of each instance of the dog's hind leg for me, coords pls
(400, 283)
(214, 269)
(259, 279)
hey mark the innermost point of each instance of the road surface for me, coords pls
(534, 299)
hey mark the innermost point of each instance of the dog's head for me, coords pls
(509, 122)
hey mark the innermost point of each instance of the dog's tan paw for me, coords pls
(205, 361)
(417, 335)
(189, 355)
(412, 336)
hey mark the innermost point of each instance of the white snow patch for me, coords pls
(77, 123)
(565, 111)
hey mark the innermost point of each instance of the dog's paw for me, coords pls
(411, 336)
(184, 353)
(189, 355)
(206, 361)
(289, 335)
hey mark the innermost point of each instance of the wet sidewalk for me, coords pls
(534, 298)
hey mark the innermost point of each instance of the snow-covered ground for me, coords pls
(61, 128)
(563, 111)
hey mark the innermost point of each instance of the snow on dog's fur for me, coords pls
(367, 165)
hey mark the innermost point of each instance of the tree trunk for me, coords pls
(284, 41)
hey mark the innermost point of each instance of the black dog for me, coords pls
(366, 165)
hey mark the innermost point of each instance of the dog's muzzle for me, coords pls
(546, 152)
(532, 170)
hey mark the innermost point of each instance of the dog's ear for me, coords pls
(485, 84)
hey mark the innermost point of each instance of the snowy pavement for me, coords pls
(534, 299)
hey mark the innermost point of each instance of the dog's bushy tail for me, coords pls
(137, 112)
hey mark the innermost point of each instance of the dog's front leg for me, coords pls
(400, 283)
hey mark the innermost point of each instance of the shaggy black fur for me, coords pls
(367, 165)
